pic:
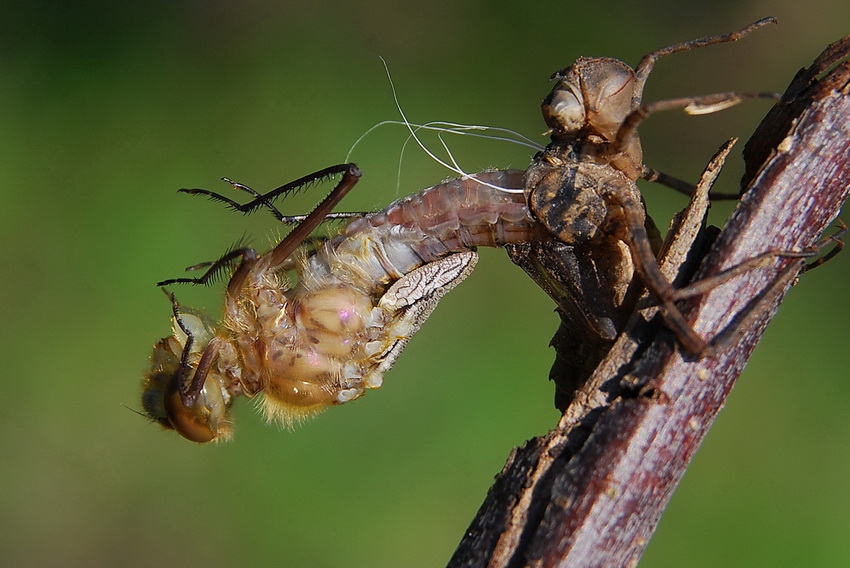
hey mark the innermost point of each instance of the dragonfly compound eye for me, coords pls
(205, 420)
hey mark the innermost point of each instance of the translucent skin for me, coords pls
(355, 301)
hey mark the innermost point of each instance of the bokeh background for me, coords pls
(107, 108)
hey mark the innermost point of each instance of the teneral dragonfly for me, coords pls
(308, 326)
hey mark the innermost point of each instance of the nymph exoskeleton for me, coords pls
(582, 188)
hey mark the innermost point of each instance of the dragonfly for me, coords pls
(310, 325)
(315, 323)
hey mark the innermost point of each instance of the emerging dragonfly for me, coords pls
(309, 325)
(355, 301)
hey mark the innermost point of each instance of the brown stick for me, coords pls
(591, 492)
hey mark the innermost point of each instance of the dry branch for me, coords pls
(591, 491)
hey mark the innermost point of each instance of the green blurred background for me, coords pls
(107, 108)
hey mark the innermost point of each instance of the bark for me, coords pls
(591, 491)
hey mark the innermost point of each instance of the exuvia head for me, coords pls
(591, 96)
(202, 416)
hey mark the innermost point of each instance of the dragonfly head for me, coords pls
(174, 363)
